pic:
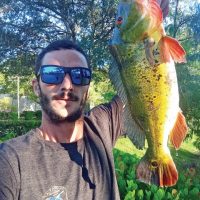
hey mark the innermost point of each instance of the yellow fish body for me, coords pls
(145, 57)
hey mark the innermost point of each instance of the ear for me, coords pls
(87, 94)
(36, 87)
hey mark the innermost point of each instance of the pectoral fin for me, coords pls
(170, 47)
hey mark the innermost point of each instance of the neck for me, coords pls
(64, 132)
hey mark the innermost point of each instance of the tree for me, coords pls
(186, 28)
(27, 26)
(101, 89)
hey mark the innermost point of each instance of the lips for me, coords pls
(61, 99)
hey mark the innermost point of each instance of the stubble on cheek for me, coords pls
(59, 115)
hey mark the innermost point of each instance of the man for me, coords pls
(69, 156)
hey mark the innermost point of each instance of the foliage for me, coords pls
(101, 90)
(30, 115)
(188, 186)
(26, 26)
(11, 126)
(5, 103)
(7, 136)
(25, 115)
(9, 71)
(185, 28)
(18, 127)
(126, 160)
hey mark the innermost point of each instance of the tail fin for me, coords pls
(170, 47)
(161, 172)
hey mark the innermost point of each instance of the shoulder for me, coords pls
(17, 145)
(14, 154)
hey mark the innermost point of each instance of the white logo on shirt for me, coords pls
(56, 193)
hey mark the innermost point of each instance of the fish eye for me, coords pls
(120, 18)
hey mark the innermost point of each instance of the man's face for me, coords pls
(65, 101)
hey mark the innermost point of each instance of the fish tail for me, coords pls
(161, 172)
(171, 48)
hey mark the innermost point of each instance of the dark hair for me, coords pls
(58, 45)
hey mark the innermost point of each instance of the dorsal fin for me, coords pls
(155, 14)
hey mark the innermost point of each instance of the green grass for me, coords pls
(124, 144)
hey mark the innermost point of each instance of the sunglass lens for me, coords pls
(86, 76)
(80, 76)
(52, 75)
(76, 76)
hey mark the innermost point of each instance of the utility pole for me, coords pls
(18, 99)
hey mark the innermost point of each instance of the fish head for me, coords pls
(136, 20)
(123, 11)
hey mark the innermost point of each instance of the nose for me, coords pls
(67, 83)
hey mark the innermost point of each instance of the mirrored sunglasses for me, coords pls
(53, 74)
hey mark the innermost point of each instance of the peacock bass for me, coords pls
(145, 77)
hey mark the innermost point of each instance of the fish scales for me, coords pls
(144, 65)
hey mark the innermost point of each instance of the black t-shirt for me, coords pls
(32, 168)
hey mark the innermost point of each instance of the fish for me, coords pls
(143, 72)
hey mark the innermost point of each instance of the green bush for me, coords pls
(4, 115)
(7, 136)
(38, 114)
(187, 187)
(28, 115)
(8, 115)
(18, 127)
(13, 116)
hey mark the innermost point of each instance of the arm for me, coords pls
(8, 183)
(117, 119)
(108, 120)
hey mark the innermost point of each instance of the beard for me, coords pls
(56, 117)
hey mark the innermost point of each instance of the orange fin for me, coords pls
(155, 14)
(161, 172)
(170, 47)
(179, 131)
